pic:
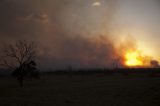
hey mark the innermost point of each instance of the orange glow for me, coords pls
(133, 58)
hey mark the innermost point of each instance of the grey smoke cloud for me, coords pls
(68, 32)
(82, 52)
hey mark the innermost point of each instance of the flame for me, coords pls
(133, 58)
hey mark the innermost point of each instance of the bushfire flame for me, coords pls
(133, 58)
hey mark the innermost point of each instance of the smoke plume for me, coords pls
(69, 32)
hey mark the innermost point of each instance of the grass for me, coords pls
(78, 90)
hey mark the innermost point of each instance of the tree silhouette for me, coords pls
(20, 58)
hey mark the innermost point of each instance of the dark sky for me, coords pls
(82, 33)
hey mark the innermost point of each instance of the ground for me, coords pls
(78, 90)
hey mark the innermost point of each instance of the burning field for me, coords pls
(84, 34)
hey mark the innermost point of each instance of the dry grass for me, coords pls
(79, 90)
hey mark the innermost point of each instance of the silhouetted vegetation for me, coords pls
(117, 71)
(20, 58)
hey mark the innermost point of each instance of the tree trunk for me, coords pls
(20, 79)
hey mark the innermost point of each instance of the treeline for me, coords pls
(123, 71)
(98, 71)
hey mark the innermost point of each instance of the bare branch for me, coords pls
(19, 53)
(4, 63)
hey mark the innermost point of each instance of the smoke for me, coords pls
(79, 37)
(81, 52)
(68, 32)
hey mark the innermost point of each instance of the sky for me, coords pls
(84, 33)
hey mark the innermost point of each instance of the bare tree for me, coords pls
(20, 58)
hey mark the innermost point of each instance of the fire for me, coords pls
(133, 58)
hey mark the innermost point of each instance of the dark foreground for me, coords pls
(82, 90)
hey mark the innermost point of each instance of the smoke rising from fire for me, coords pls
(68, 32)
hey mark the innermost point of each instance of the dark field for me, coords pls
(82, 90)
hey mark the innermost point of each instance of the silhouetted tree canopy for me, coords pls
(20, 58)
